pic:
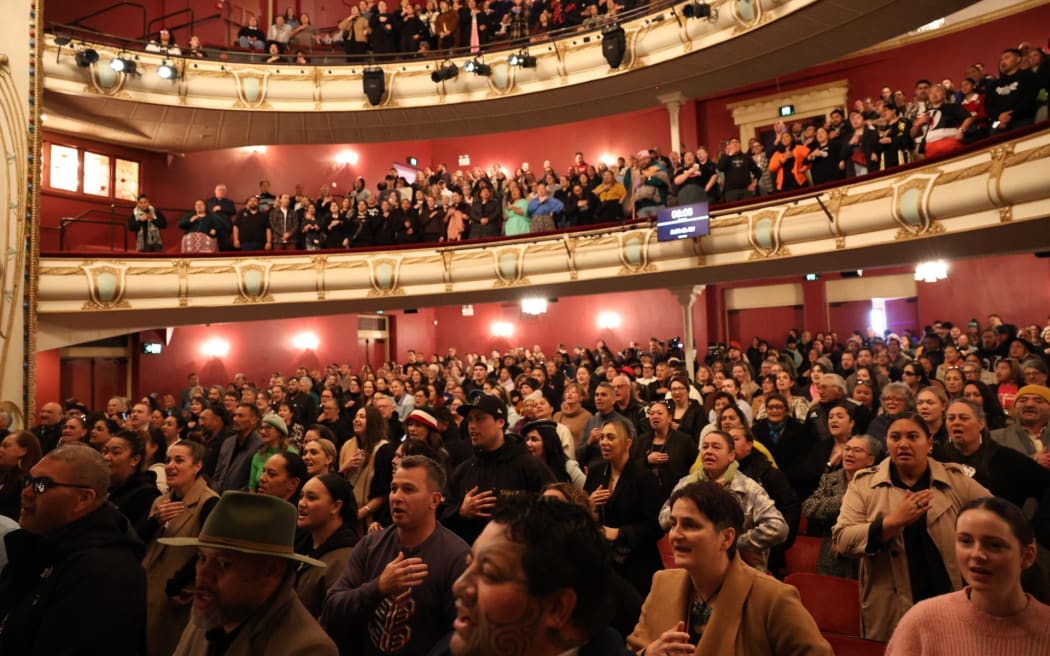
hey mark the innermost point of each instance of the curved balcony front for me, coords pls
(237, 104)
(990, 200)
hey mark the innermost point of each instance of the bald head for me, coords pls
(50, 414)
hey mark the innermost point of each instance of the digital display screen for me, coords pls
(683, 222)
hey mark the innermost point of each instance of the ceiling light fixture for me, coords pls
(166, 71)
(447, 71)
(477, 67)
(522, 59)
(123, 64)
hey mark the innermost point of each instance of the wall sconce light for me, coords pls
(502, 329)
(609, 320)
(215, 348)
(346, 157)
(931, 271)
(534, 306)
(306, 342)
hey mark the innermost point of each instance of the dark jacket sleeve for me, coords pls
(104, 579)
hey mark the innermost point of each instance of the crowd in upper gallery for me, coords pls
(443, 205)
(890, 445)
(386, 31)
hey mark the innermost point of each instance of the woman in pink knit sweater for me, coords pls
(993, 615)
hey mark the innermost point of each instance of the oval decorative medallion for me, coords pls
(253, 282)
(106, 285)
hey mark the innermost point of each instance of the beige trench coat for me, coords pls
(885, 586)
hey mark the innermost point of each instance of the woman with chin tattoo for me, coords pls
(536, 584)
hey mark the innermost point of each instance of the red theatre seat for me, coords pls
(664, 546)
(851, 646)
(802, 556)
(832, 601)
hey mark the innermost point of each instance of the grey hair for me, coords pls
(903, 390)
(89, 468)
(976, 408)
(874, 445)
(837, 381)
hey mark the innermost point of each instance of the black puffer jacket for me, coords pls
(62, 593)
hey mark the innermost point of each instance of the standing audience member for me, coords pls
(554, 598)
(233, 466)
(18, 453)
(74, 566)
(244, 600)
(146, 222)
(395, 594)
(899, 520)
(714, 603)
(179, 513)
(994, 545)
(328, 529)
(132, 488)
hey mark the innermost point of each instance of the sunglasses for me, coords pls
(43, 484)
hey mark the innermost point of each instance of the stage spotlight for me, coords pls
(477, 67)
(698, 10)
(374, 85)
(166, 71)
(614, 45)
(123, 64)
(445, 72)
(86, 57)
(522, 59)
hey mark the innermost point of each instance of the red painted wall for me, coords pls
(48, 386)
(771, 324)
(57, 204)
(126, 21)
(1015, 286)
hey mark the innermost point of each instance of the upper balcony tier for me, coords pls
(211, 103)
(991, 199)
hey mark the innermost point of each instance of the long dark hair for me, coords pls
(31, 444)
(553, 454)
(995, 416)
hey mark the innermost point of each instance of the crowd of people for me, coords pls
(385, 30)
(397, 510)
(442, 205)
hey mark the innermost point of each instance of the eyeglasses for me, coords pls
(776, 406)
(866, 383)
(43, 484)
(678, 389)
(909, 373)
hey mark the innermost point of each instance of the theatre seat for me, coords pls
(832, 601)
(852, 646)
(664, 546)
(802, 556)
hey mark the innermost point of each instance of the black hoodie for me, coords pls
(61, 593)
(508, 470)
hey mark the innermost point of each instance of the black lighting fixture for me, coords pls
(374, 82)
(446, 71)
(122, 63)
(614, 45)
(86, 57)
(477, 67)
(62, 40)
(166, 71)
(522, 59)
(699, 10)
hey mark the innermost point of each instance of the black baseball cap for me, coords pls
(487, 404)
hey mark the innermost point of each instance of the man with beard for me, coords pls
(244, 601)
(395, 595)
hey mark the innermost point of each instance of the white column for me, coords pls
(687, 298)
(16, 88)
(673, 102)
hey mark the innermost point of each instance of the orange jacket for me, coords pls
(776, 165)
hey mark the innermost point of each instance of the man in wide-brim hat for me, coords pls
(244, 601)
